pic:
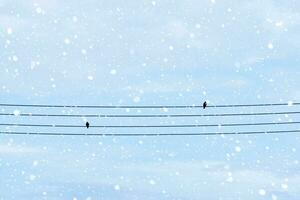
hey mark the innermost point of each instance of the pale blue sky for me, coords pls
(142, 53)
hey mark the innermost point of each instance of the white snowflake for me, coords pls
(113, 72)
(165, 109)
(34, 64)
(229, 179)
(284, 186)
(270, 46)
(152, 182)
(279, 24)
(35, 163)
(83, 51)
(274, 197)
(32, 177)
(67, 41)
(17, 112)
(238, 149)
(262, 192)
(15, 58)
(75, 19)
(9, 31)
(117, 187)
(38, 10)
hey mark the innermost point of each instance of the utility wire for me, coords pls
(149, 126)
(149, 134)
(150, 115)
(147, 106)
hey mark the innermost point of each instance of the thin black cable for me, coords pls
(149, 134)
(149, 126)
(147, 106)
(254, 105)
(150, 115)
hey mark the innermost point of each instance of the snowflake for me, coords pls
(238, 149)
(117, 187)
(9, 31)
(113, 72)
(262, 192)
(67, 41)
(284, 186)
(15, 58)
(152, 182)
(17, 112)
(270, 46)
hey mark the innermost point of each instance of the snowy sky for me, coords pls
(143, 52)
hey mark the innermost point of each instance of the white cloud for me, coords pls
(17, 149)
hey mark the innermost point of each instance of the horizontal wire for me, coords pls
(148, 126)
(150, 115)
(149, 134)
(148, 106)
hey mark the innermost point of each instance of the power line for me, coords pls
(149, 134)
(149, 126)
(150, 115)
(148, 106)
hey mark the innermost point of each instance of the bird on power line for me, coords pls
(204, 105)
(87, 124)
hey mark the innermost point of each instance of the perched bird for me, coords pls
(204, 105)
(87, 124)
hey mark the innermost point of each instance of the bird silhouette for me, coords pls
(204, 105)
(87, 124)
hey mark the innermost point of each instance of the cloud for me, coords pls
(12, 149)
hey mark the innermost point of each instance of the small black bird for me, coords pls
(87, 124)
(204, 105)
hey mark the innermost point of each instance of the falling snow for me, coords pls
(113, 72)
(17, 112)
(117, 187)
(262, 192)
(270, 46)
(149, 53)
(237, 149)
(9, 31)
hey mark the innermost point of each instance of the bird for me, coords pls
(204, 105)
(87, 124)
